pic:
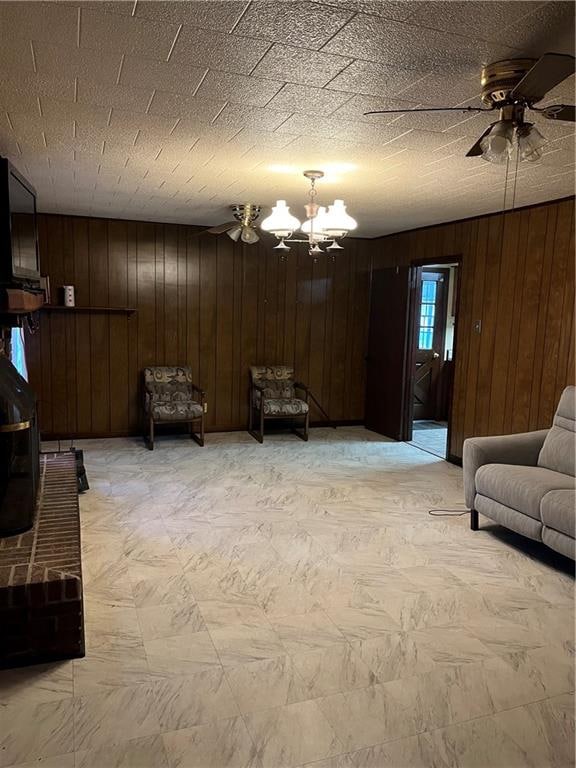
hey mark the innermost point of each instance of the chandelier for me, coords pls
(322, 225)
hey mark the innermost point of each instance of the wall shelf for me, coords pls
(89, 310)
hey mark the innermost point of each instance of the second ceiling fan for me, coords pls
(512, 87)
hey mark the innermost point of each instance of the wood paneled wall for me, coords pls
(201, 300)
(220, 307)
(517, 279)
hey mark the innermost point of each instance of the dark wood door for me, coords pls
(387, 368)
(432, 293)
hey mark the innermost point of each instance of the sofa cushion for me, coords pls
(520, 488)
(175, 411)
(558, 452)
(284, 406)
(558, 511)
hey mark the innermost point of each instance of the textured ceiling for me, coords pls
(172, 111)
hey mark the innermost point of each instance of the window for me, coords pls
(18, 356)
(427, 314)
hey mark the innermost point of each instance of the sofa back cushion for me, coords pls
(558, 451)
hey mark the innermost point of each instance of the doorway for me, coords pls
(432, 355)
(411, 352)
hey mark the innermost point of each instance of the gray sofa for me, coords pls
(526, 481)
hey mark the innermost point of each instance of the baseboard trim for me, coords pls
(52, 436)
(454, 459)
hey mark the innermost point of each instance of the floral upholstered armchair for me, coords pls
(273, 396)
(170, 397)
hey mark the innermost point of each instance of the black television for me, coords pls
(19, 257)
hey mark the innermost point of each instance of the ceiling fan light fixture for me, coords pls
(249, 235)
(235, 232)
(280, 222)
(497, 145)
(530, 142)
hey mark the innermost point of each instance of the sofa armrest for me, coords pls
(521, 449)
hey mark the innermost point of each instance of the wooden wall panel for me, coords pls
(201, 300)
(221, 306)
(517, 280)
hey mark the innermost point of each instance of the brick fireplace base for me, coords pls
(41, 610)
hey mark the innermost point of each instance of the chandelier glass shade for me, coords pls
(320, 226)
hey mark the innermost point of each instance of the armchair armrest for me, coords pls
(300, 385)
(521, 449)
(201, 392)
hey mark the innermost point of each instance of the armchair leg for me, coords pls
(200, 437)
(257, 435)
(304, 434)
(261, 433)
(151, 435)
(474, 526)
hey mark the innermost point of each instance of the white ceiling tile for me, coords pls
(242, 116)
(52, 60)
(148, 148)
(303, 24)
(53, 22)
(483, 20)
(197, 48)
(293, 65)
(238, 89)
(161, 75)
(550, 27)
(126, 34)
(208, 14)
(373, 79)
(125, 97)
(190, 108)
(30, 86)
(302, 98)
(415, 51)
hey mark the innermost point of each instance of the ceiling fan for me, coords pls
(513, 86)
(243, 228)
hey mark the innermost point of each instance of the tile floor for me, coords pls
(287, 604)
(431, 436)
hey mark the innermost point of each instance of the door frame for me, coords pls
(411, 341)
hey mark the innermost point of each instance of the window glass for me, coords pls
(427, 314)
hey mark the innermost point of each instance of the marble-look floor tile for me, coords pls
(147, 752)
(369, 716)
(273, 731)
(37, 683)
(181, 654)
(332, 670)
(394, 655)
(476, 744)
(267, 683)
(220, 744)
(294, 554)
(170, 588)
(307, 632)
(221, 613)
(33, 730)
(251, 641)
(107, 668)
(357, 623)
(544, 730)
(183, 702)
(114, 716)
(170, 619)
(450, 646)
(56, 761)
(340, 761)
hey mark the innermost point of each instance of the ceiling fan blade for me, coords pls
(476, 150)
(426, 109)
(559, 112)
(222, 228)
(548, 71)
